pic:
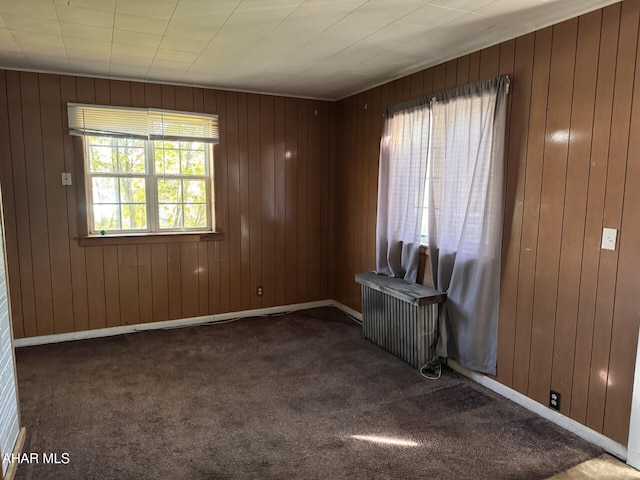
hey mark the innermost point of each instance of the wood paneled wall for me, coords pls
(569, 312)
(272, 176)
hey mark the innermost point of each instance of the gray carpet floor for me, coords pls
(270, 398)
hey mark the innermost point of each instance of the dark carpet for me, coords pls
(270, 398)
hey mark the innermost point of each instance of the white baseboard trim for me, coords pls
(184, 322)
(348, 310)
(565, 422)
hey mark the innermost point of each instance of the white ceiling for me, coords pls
(313, 48)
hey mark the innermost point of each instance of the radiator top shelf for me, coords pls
(409, 292)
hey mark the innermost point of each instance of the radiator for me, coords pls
(401, 326)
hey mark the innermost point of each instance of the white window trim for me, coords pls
(151, 195)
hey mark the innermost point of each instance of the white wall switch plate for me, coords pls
(609, 236)
(66, 178)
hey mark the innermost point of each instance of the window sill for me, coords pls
(147, 238)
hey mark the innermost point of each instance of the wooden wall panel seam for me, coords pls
(506, 328)
(525, 147)
(37, 209)
(8, 195)
(593, 223)
(77, 255)
(553, 194)
(575, 201)
(537, 241)
(531, 196)
(614, 198)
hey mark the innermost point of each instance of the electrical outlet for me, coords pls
(66, 178)
(259, 291)
(554, 399)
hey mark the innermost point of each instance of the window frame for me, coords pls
(151, 177)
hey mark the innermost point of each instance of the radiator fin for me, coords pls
(407, 331)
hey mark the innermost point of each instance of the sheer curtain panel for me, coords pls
(465, 214)
(401, 187)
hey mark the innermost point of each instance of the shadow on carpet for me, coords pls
(270, 398)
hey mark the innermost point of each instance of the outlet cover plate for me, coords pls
(609, 237)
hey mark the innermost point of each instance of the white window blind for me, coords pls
(142, 123)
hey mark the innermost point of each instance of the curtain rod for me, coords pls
(451, 92)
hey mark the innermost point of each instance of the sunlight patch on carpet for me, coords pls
(386, 440)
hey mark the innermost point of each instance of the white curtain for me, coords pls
(465, 195)
(401, 190)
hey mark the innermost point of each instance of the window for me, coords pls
(147, 186)
(146, 171)
(424, 227)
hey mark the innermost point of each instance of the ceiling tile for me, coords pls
(5, 36)
(12, 51)
(243, 37)
(87, 32)
(29, 9)
(268, 8)
(183, 29)
(26, 24)
(135, 23)
(206, 60)
(386, 61)
(462, 5)
(84, 16)
(85, 44)
(392, 35)
(136, 38)
(336, 39)
(162, 9)
(49, 62)
(128, 71)
(190, 9)
(176, 56)
(431, 16)
(164, 75)
(100, 69)
(361, 24)
(89, 56)
(29, 50)
(121, 59)
(206, 21)
(32, 38)
(550, 13)
(302, 30)
(273, 49)
(354, 55)
(326, 14)
(500, 7)
(200, 78)
(313, 51)
(159, 64)
(259, 19)
(105, 5)
(133, 50)
(183, 44)
(380, 8)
